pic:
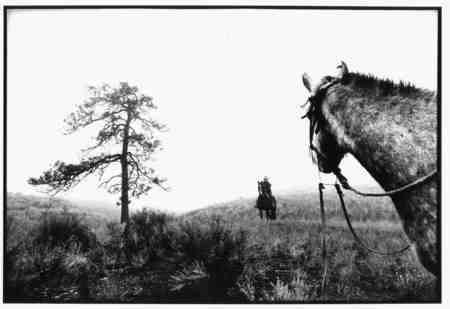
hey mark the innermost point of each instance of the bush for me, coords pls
(64, 230)
(149, 239)
(49, 260)
(179, 261)
(219, 250)
(44, 273)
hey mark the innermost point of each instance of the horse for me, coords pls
(267, 203)
(391, 129)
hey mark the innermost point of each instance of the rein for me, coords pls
(356, 237)
(358, 240)
(344, 182)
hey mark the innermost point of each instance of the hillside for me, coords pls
(222, 253)
(291, 205)
(290, 248)
(26, 212)
(304, 206)
(35, 205)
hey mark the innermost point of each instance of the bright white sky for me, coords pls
(227, 83)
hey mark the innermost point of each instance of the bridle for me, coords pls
(315, 116)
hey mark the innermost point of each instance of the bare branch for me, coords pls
(106, 182)
(145, 173)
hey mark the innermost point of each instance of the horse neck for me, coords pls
(393, 138)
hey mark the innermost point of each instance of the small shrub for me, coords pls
(35, 272)
(219, 249)
(64, 231)
(150, 238)
(188, 276)
(296, 290)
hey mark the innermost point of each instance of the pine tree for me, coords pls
(124, 116)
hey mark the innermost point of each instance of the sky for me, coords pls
(227, 84)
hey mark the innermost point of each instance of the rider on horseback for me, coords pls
(266, 187)
(266, 201)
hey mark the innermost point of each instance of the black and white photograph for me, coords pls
(222, 154)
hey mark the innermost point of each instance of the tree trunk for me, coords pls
(124, 216)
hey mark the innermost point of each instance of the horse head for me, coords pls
(391, 130)
(326, 150)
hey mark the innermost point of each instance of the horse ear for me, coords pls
(343, 70)
(307, 81)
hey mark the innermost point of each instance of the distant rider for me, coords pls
(266, 187)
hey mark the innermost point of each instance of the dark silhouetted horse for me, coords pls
(266, 203)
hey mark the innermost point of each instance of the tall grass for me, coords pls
(169, 259)
(64, 230)
(51, 259)
(224, 254)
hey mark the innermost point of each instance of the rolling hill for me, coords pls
(223, 252)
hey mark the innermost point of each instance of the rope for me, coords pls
(323, 241)
(356, 237)
(344, 182)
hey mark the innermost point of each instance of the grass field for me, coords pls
(223, 253)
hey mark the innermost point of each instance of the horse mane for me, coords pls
(383, 115)
(369, 84)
